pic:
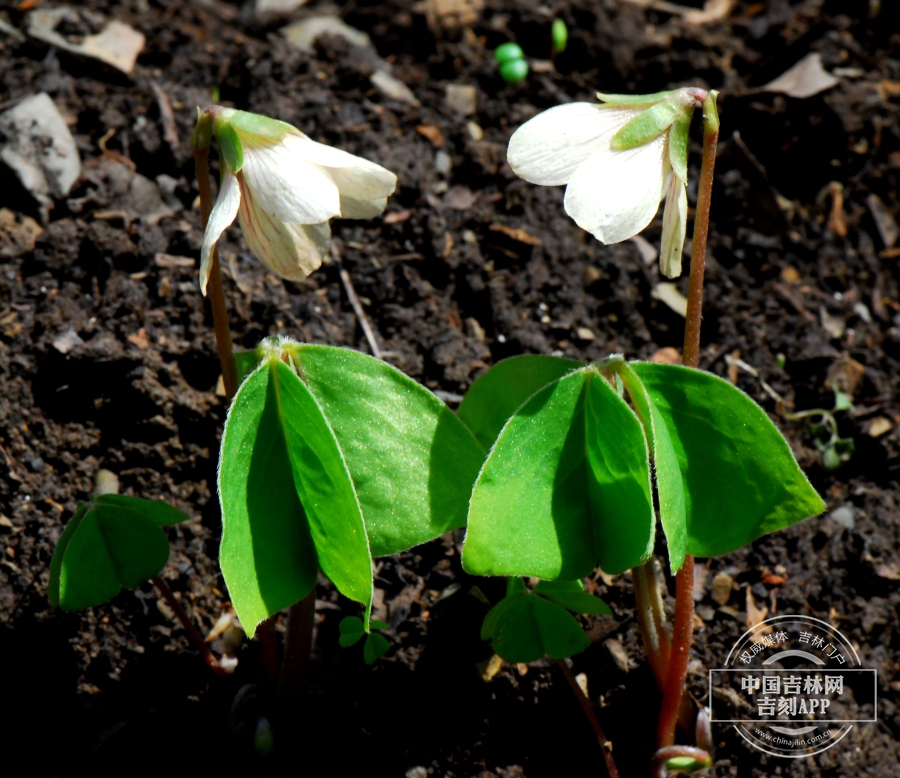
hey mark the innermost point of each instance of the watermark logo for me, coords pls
(793, 686)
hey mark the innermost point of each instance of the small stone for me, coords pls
(17, 238)
(585, 334)
(475, 131)
(879, 426)
(269, 8)
(106, 482)
(67, 341)
(460, 98)
(39, 149)
(442, 163)
(845, 516)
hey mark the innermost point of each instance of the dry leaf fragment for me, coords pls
(721, 588)
(516, 234)
(432, 133)
(755, 617)
(17, 238)
(68, 340)
(140, 339)
(619, 654)
(667, 356)
(490, 668)
(884, 220)
(805, 79)
(844, 375)
(837, 221)
(712, 11)
(668, 293)
(393, 87)
(449, 13)
(396, 217)
(302, 34)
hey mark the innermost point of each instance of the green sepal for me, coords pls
(649, 124)
(230, 145)
(572, 596)
(678, 144)
(634, 101)
(201, 137)
(257, 125)
(112, 542)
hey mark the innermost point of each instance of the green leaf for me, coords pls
(376, 624)
(256, 126)
(529, 513)
(619, 485)
(669, 483)
(572, 596)
(160, 513)
(515, 586)
(351, 629)
(501, 391)
(413, 463)
(649, 124)
(739, 476)
(530, 627)
(553, 499)
(842, 402)
(267, 556)
(246, 362)
(490, 621)
(230, 146)
(107, 546)
(323, 485)
(376, 645)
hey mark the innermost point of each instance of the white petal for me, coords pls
(221, 216)
(549, 148)
(291, 251)
(615, 194)
(674, 229)
(355, 177)
(286, 186)
(361, 209)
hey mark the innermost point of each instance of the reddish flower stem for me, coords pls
(297, 648)
(214, 289)
(683, 628)
(605, 745)
(193, 634)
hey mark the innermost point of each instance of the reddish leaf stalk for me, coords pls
(651, 619)
(605, 745)
(683, 628)
(214, 289)
(193, 634)
(297, 648)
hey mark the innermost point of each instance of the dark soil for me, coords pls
(798, 286)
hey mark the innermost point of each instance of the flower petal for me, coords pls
(221, 216)
(549, 148)
(289, 250)
(362, 209)
(286, 186)
(354, 176)
(615, 194)
(674, 228)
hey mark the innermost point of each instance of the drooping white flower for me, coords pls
(618, 159)
(284, 187)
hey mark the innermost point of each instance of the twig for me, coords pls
(166, 115)
(605, 745)
(189, 627)
(360, 314)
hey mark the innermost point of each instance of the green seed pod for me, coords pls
(509, 52)
(513, 71)
(560, 34)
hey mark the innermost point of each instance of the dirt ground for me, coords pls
(107, 359)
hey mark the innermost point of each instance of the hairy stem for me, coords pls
(193, 634)
(683, 628)
(605, 745)
(651, 619)
(214, 289)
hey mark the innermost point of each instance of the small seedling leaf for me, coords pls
(376, 646)
(111, 543)
(351, 629)
(501, 391)
(572, 596)
(530, 627)
(739, 476)
(376, 624)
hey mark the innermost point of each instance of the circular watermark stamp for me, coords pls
(793, 686)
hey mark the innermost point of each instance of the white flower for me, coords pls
(284, 187)
(618, 160)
